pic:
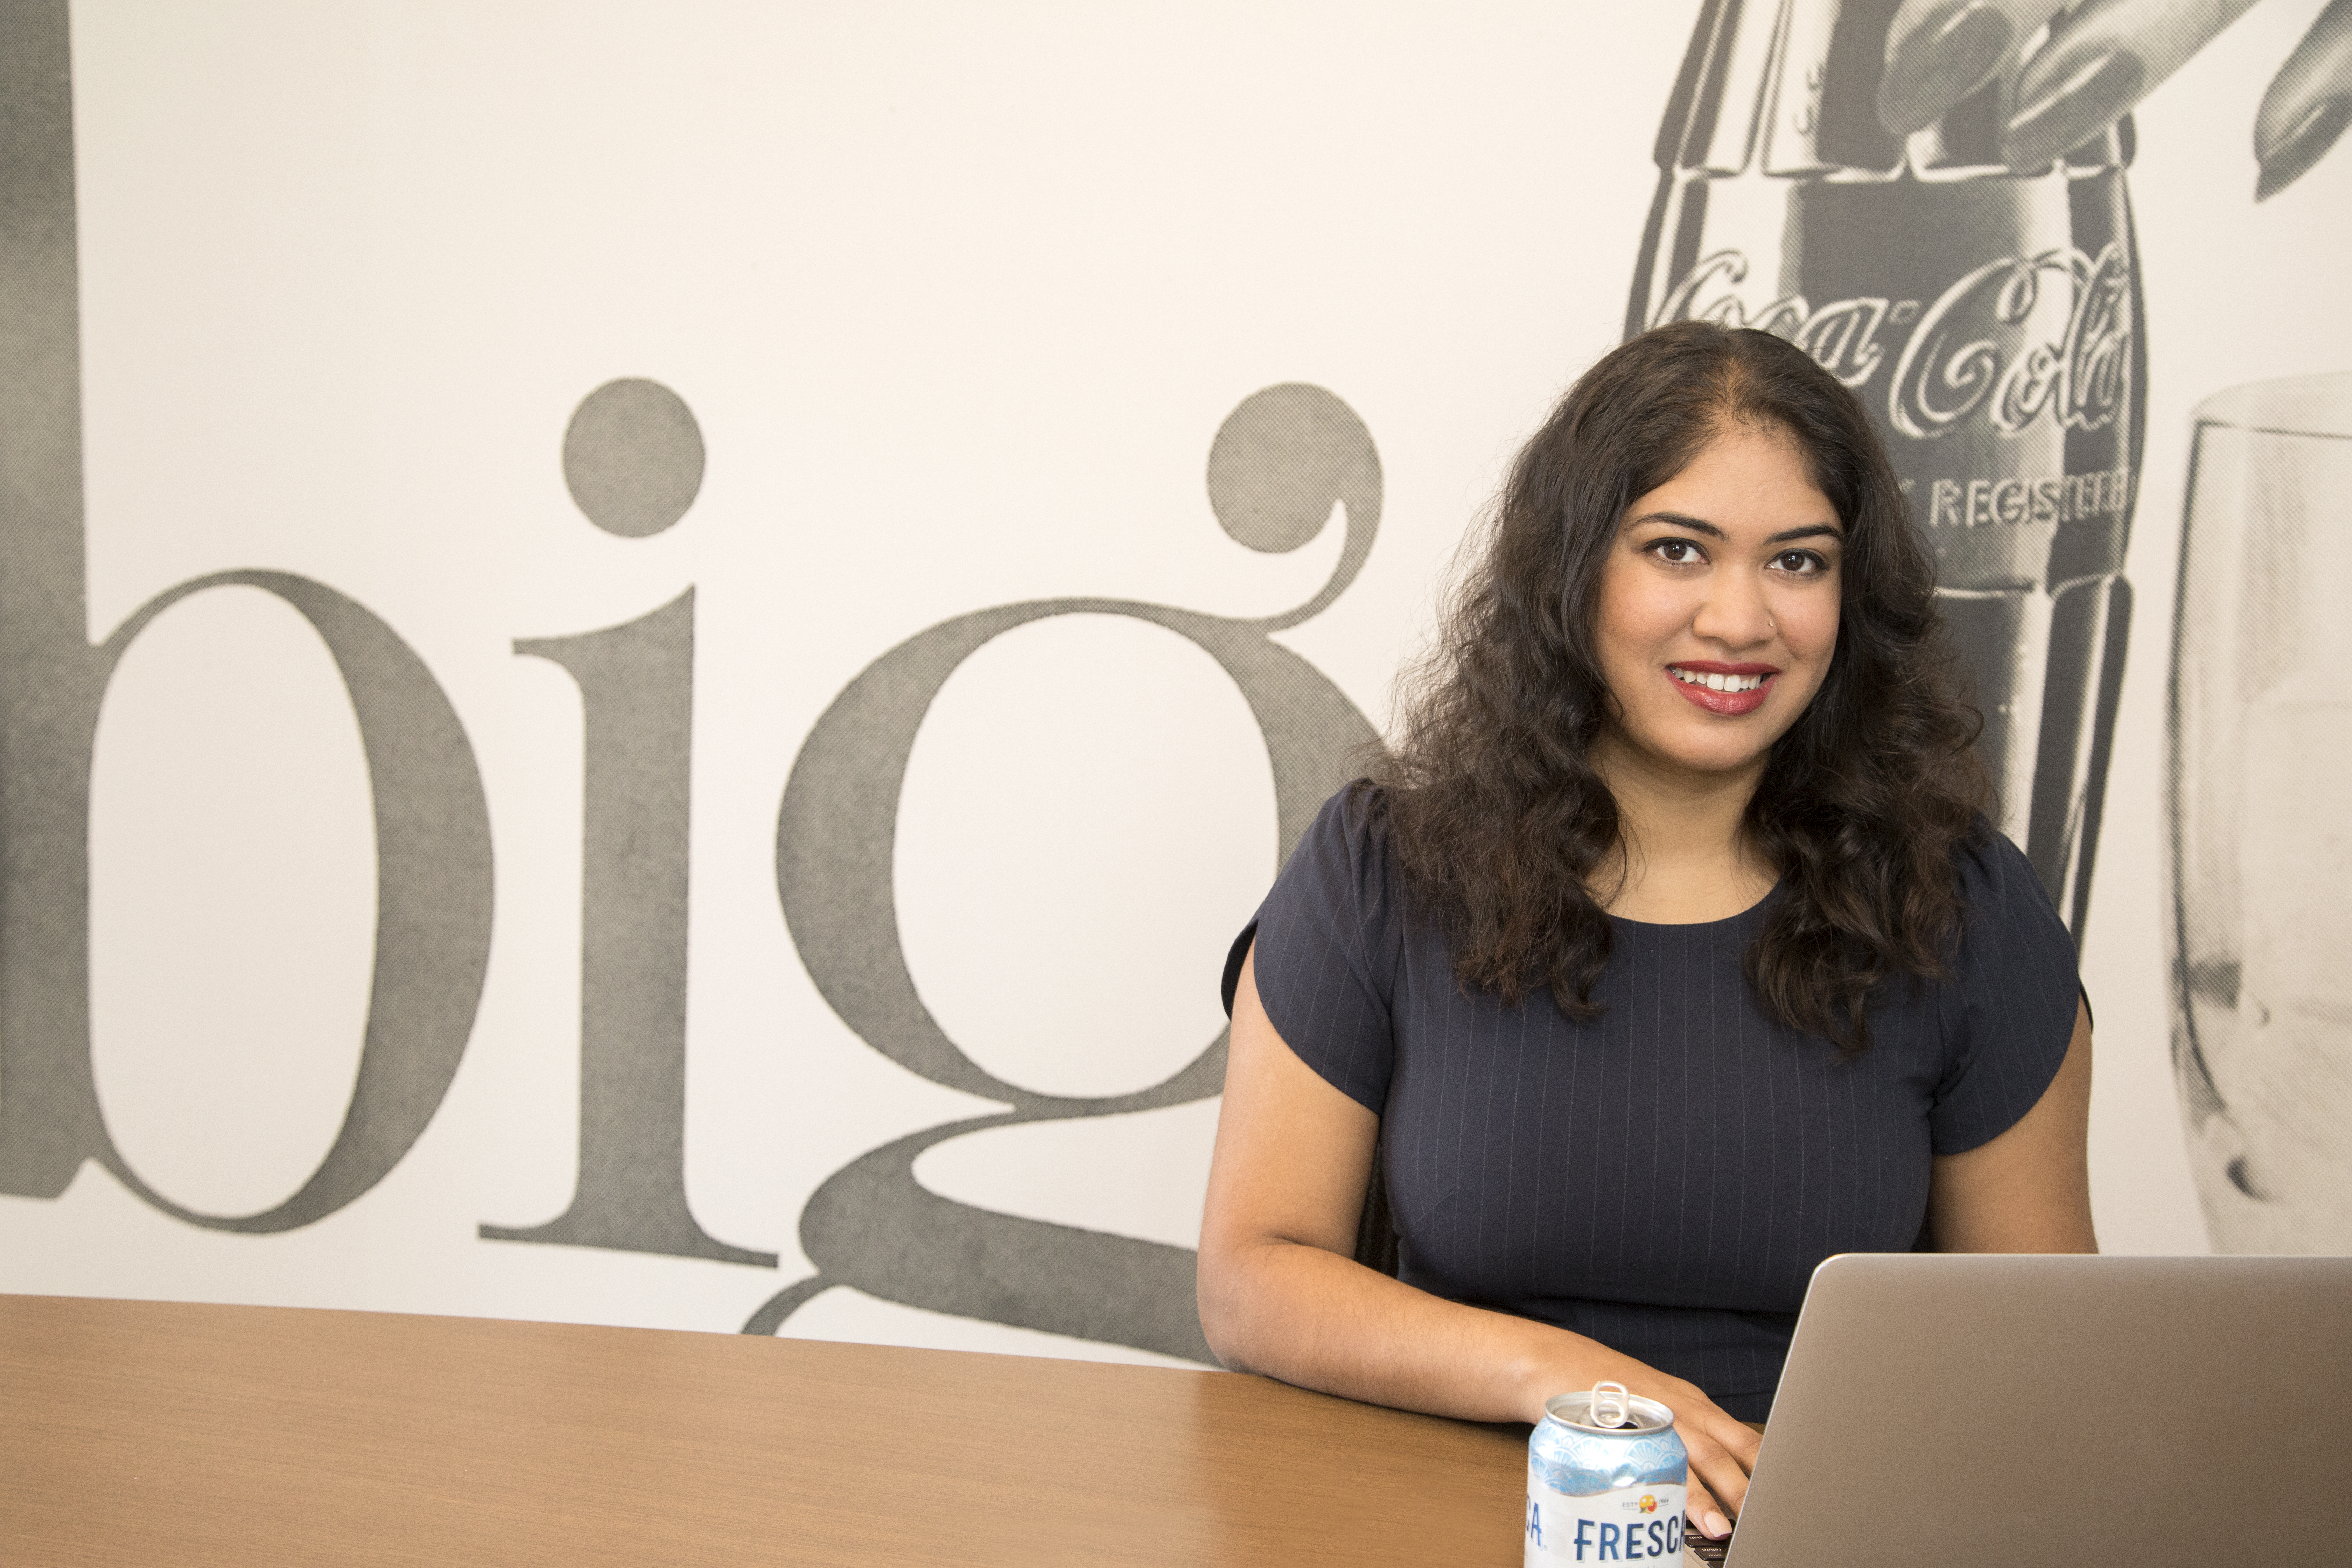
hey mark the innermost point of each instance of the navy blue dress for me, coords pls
(1663, 1178)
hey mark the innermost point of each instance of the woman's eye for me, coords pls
(1677, 551)
(1801, 562)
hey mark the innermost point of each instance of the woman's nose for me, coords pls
(1734, 612)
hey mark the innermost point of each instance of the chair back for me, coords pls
(1376, 1232)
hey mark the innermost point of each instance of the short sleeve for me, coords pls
(2009, 1014)
(1327, 950)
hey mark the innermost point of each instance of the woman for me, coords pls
(1671, 953)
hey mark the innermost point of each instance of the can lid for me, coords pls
(1608, 1409)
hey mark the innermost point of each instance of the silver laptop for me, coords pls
(1955, 1411)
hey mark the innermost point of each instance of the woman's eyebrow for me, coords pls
(1698, 525)
(1679, 521)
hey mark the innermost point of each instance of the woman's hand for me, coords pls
(1722, 1447)
(2091, 62)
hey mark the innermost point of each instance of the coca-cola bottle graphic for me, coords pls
(1988, 318)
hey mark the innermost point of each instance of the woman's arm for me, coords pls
(2028, 1190)
(1281, 1293)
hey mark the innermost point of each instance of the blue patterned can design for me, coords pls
(1606, 1480)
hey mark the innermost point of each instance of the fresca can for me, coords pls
(1606, 1480)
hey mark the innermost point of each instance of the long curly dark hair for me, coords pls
(1495, 810)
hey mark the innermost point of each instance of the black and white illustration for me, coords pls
(647, 656)
(2261, 744)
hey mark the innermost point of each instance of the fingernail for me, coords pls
(1948, 55)
(1716, 1525)
(2078, 99)
(2289, 157)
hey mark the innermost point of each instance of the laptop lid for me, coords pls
(1953, 1411)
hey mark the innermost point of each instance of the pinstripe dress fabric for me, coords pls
(1663, 1178)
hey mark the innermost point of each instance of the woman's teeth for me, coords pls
(1716, 682)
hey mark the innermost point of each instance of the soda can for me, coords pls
(1607, 1478)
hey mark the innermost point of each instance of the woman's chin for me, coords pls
(1684, 748)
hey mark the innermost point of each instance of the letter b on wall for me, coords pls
(432, 900)
(432, 830)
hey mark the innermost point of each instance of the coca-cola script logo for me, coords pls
(1973, 347)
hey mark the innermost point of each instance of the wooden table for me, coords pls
(136, 1432)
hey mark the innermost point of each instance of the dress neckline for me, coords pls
(1769, 894)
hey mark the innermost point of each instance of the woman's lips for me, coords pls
(1727, 704)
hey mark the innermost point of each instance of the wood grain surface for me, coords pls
(136, 1432)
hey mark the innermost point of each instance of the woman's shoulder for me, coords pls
(2008, 1010)
(1354, 819)
(1342, 859)
(2005, 908)
(1993, 871)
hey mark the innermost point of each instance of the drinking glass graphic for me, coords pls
(2258, 817)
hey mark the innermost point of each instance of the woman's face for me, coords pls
(1718, 607)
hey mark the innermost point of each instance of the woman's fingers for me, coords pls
(2100, 60)
(1716, 1474)
(1939, 51)
(1704, 1514)
(1743, 1441)
(2308, 104)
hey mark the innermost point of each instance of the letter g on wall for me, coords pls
(1279, 463)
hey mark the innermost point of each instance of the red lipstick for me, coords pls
(1724, 704)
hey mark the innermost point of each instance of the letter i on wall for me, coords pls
(633, 458)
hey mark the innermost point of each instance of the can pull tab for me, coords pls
(1610, 1405)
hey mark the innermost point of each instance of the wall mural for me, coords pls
(1987, 316)
(1931, 198)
